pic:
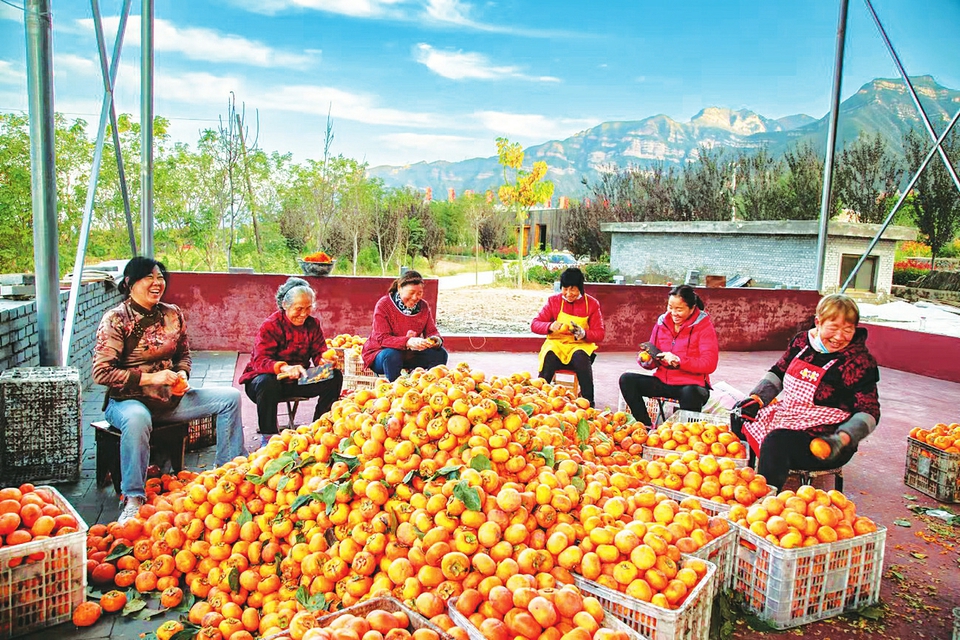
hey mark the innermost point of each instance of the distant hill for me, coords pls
(882, 105)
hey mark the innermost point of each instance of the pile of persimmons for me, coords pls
(442, 483)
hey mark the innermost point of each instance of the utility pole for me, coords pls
(43, 177)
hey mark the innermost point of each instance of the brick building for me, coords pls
(776, 252)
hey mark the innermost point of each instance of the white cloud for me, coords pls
(532, 126)
(9, 13)
(206, 44)
(450, 11)
(11, 74)
(354, 8)
(345, 105)
(75, 64)
(458, 65)
(425, 146)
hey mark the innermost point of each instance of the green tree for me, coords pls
(935, 204)
(706, 186)
(16, 214)
(526, 189)
(804, 183)
(867, 176)
(761, 190)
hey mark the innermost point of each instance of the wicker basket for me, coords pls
(316, 268)
(40, 422)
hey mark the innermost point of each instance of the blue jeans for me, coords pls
(135, 423)
(389, 362)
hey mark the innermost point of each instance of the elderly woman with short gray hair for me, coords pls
(287, 342)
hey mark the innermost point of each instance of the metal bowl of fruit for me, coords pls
(316, 264)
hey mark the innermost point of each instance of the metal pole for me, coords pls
(43, 177)
(831, 144)
(114, 64)
(146, 128)
(913, 94)
(900, 201)
(108, 78)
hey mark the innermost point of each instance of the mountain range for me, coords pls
(882, 105)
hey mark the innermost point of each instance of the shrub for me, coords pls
(951, 250)
(507, 253)
(912, 249)
(598, 272)
(495, 263)
(906, 271)
(542, 275)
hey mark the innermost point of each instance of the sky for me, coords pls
(422, 80)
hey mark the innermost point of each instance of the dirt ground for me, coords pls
(491, 309)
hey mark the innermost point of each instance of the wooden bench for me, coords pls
(167, 442)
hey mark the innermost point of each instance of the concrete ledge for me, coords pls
(926, 354)
(762, 227)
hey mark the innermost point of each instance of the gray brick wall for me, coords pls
(789, 260)
(18, 328)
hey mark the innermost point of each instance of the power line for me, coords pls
(15, 6)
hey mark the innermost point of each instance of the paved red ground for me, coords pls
(921, 582)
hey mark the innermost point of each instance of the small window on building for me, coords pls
(866, 279)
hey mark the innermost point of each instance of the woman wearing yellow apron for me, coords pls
(573, 324)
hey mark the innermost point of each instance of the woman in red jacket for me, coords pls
(682, 351)
(404, 334)
(573, 324)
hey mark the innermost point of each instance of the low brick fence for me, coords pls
(19, 342)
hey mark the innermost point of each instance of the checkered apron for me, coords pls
(794, 408)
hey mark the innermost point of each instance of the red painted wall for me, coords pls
(224, 310)
(745, 319)
(926, 354)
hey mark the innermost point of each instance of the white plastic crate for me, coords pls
(43, 590)
(720, 552)
(710, 506)
(695, 416)
(609, 622)
(652, 453)
(791, 587)
(355, 374)
(690, 622)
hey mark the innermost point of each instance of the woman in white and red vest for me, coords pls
(824, 386)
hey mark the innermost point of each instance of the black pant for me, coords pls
(786, 449)
(580, 363)
(636, 387)
(268, 392)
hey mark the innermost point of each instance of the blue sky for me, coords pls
(412, 80)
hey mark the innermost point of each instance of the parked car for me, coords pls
(554, 261)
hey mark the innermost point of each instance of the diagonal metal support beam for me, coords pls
(109, 78)
(106, 110)
(900, 201)
(913, 94)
